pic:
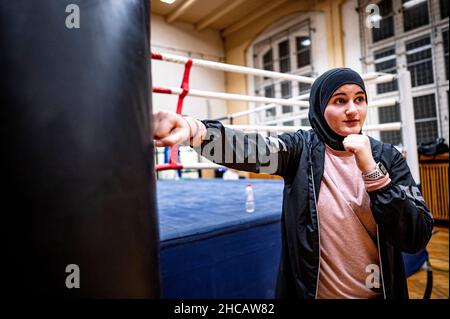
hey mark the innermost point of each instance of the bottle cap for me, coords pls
(248, 185)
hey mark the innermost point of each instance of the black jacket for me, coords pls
(404, 223)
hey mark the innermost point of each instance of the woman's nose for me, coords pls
(351, 109)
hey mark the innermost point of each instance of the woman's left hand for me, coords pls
(360, 146)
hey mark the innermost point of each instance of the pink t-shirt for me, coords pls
(348, 234)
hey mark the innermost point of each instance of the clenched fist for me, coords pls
(171, 128)
(360, 146)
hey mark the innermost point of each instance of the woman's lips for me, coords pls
(351, 122)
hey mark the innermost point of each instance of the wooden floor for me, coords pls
(438, 252)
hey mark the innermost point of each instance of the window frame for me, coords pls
(439, 86)
(390, 15)
(445, 54)
(423, 61)
(391, 57)
(273, 43)
(403, 10)
(427, 119)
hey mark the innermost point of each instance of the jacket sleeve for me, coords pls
(250, 152)
(400, 209)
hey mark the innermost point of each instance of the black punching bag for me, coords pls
(79, 209)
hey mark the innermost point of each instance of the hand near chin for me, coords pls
(360, 146)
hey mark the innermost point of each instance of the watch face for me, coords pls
(382, 168)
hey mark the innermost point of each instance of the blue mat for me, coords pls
(413, 262)
(210, 246)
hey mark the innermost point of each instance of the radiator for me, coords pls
(434, 181)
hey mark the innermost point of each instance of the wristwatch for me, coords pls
(379, 172)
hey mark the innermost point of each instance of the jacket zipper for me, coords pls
(318, 228)
(381, 263)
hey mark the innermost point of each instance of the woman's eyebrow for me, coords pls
(339, 93)
(345, 94)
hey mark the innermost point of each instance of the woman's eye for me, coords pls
(339, 101)
(359, 99)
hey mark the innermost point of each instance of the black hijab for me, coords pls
(321, 91)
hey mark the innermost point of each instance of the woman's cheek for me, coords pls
(332, 115)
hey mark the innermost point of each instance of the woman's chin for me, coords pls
(349, 131)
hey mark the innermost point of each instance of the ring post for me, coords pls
(408, 122)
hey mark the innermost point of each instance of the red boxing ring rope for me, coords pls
(174, 160)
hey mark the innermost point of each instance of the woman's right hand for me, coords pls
(169, 129)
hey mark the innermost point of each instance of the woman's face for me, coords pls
(346, 111)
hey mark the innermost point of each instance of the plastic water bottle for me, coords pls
(250, 199)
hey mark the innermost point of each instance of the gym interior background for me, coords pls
(82, 193)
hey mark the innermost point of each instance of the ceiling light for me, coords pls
(412, 3)
(168, 1)
(306, 42)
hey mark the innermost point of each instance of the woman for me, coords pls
(350, 204)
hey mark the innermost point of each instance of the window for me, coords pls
(303, 46)
(268, 61)
(386, 22)
(426, 120)
(288, 123)
(286, 93)
(420, 61)
(305, 122)
(385, 61)
(444, 8)
(287, 51)
(390, 114)
(269, 91)
(284, 56)
(415, 15)
(445, 41)
(303, 88)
